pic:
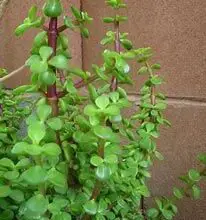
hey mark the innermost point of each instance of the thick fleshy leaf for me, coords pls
(62, 216)
(39, 67)
(47, 78)
(40, 38)
(36, 131)
(102, 102)
(57, 179)
(91, 207)
(17, 195)
(43, 111)
(5, 162)
(11, 175)
(103, 172)
(45, 52)
(33, 150)
(19, 148)
(55, 123)
(51, 149)
(194, 175)
(7, 215)
(111, 159)
(59, 61)
(35, 175)
(32, 13)
(105, 133)
(96, 161)
(4, 191)
(90, 110)
(37, 204)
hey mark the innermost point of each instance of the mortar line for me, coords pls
(192, 101)
(82, 41)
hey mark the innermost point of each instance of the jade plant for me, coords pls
(65, 154)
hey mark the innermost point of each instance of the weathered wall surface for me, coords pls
(176, 30)
(15, 50)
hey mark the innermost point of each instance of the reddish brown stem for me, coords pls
(114, 82)
(78, 85)
(62, 28)
(52, 41)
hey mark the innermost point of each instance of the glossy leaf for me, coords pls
(36, 131)
(35, 175)
(59, 61)
(90, 207)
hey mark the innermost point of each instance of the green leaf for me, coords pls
(37, 204)
(150, 127)
(32, 13)
(4, 191)
(55, 123)
(167, 214)
(43, 111)
(159, 156)
(11, 175)
(109, 20)
(102, 206)
(23, 163)
(103, 172)
(70, 87)
(112, 110)
(143, 70)
(84, 32)
(76, 12)
(194, 175)
(36, 131)
(105, 133)
(20, 148)
(96, 161)
(127, 44)
(152, 213)
(111, 159)
(90, 110)
(143, 190)
(57, 179)
(196, 192)
(90, 207)
(62, 216)
(68, 22)
(7, 215)
(51, 149)
(47, 78)
(35, 175)
(5, 162)
(39, 67)
(178, 193)
(161, 106)
(122, 65)
(59, 61)
(40, 38)
(17, 195)
(156, 80)
(21, 29)
(202, 158)
(102, 102)
(156, 66)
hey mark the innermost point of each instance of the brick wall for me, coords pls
(176, 30)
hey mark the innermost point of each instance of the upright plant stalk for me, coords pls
(153, 102)
(52, 41)
(114, 82)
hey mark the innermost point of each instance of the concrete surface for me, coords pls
(15, 50)
(176, 30)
